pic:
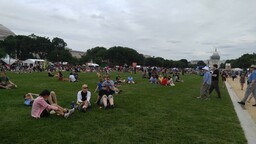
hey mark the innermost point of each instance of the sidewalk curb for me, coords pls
(245, 119)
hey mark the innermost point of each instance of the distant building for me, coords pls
(77, 54)
(214, 59)
(5, 32)
(194, 62)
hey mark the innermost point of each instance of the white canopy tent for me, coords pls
(237, 69)
(92, 64)
(33, 62)
(8, 60)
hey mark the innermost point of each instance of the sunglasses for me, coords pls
(85, 87)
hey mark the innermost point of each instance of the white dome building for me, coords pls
(214, 59)
(5, 32)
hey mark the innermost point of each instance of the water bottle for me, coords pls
(72, 104)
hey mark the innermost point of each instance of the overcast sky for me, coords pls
(172, 29)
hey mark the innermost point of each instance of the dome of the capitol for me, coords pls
(5, 32)
(215, 55)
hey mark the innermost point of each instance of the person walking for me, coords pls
(215, 81)
(204, 91)
(242, 80)
(251, 86)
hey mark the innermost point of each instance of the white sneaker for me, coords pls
(66, 115)
(71, 110)
(52, 112)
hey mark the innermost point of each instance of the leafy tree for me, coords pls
(154, 61)
(9, 46)
(184, 63)
(2, 53)
(201, 63)
(42, 47)
(60, 56)
(58, 43)
(96, 55)
(123, 55)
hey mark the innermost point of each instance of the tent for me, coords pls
(8, 60)
(33, 62)
(237, 69)
(92, 64)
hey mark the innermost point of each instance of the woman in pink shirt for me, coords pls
(41, 108)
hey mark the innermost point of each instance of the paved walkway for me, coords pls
(246, 114)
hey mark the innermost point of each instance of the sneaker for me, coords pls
(199, 97)
(242, 103)
(52, 112)
(72, 110)
(66, 115)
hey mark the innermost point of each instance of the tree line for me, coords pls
(55, 50)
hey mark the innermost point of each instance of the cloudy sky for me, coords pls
(172, 29)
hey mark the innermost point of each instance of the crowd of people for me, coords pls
(211, 82)
(45, 103)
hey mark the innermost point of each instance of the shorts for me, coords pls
(45, 113)
(108, 97)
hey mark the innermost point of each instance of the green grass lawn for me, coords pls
(144, 113)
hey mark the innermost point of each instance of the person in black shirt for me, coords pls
(105, 97)
(215, 80)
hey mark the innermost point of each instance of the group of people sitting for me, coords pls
(155, 79)
(73, 76)
(129, 79)
(45, 103)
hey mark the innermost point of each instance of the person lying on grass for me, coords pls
(5, 82)
(40, 108)
(105, 98)
(29, 99)
(83, 98)
(130, 80)
(61, 78)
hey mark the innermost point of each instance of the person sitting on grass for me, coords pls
(119, 79)
(61, 78)
(164, 81)
(111, 85)
(99, 85)
(29, 99)
(50, 74)
(170, 81)
(153, 79)
(130, 80)
(83, 98)
(5, 82)
(160, 78)
(40, 108)
(105, 98)
(72, 78)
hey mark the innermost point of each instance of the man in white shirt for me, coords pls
(72, 78)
